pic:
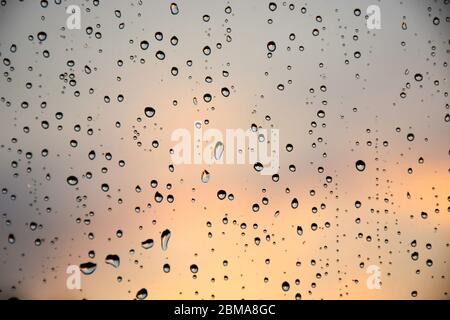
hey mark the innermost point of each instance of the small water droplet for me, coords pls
(271, 46)
(11, 239)
(285, 286)
(174, 8)
(72, 181)
(144, 45)
(194, 268)
(205, 176)
(149, 112)
(221, 194)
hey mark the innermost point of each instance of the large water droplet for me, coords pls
(147, 244)
(88, 268)
(165, 237)
(113, 260)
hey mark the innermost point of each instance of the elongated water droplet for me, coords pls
(174, 8)
(218, 150)
(165, 236)
(147, 244)
(88, 268)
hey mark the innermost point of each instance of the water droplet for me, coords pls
(218, 150)
(166, 268)
(144, 45)
(271, 46)
(174, 8)
(258, 167)
(360, 165)
(285, 286)
(42, 36)
(113, 260)
(206, 50)
(141, 294)
(147, 244)
(221, 194)
(88, 268)
(72, 180)
(205, 176)
(149, 112)
(158, 197)
(194, 268)
(165, 236)
(160, 55)
(225, 92)
(11, 239)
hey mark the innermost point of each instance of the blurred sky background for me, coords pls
(340, 94)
